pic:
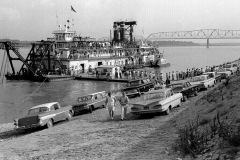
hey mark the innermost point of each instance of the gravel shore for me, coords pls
(95, 136)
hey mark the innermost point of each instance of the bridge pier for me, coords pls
(207, 43)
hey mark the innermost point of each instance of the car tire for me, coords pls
(90, 109)
(180, 104)
(185, 98)
(195, 93)
(69, 116)
(27, 130)
(49, 123)
(167, 111)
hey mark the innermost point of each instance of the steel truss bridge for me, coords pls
(196, 34)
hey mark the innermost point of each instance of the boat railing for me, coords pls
(85, 57)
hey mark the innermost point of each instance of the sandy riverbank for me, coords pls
(94, 136)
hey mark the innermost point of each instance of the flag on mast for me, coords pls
(72, 9)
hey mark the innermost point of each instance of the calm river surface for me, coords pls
(16, 97)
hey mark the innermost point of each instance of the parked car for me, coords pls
(44, 115)
(185, 88)
(132, 93)
(232, 67)
(224, 72)
(217, 77)
(155, 101)
(90, 102)
(143, 84)
(203, 81)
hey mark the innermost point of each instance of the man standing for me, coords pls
(123, 100)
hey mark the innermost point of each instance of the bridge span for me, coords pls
(196, 34)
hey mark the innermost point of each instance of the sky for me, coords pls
(36, 19)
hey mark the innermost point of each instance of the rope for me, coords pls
(25, 98)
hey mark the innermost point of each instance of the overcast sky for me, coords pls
(36, 19)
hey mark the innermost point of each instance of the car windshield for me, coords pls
(222, 70)
(227, 66)
(131, 91)
(85, 98)
(134, 83)
(177, 87)
(38, 110)
(210, 75)
(154, 95)
(197, 79)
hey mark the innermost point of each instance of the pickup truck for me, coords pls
(217, 77)
(44, 115)
(184, 87)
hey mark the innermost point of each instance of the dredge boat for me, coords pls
(67, 55)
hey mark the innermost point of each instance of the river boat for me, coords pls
(69, 55)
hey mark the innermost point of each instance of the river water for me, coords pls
(16, 97)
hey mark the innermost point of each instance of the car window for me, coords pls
(234, 65)
(32, 112)
(56, 106)
(99, 96)
(134, 83)
(37, 110)
(197, 79)
(227, 66)
(43, 109)
(153, 95)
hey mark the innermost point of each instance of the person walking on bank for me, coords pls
(123, 100)
(110, 103)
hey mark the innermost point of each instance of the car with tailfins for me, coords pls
(156, 101)
(90, 102)
(202, 81)
(184, 87)
(44, 115)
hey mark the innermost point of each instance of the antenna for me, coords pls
(57, 19)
